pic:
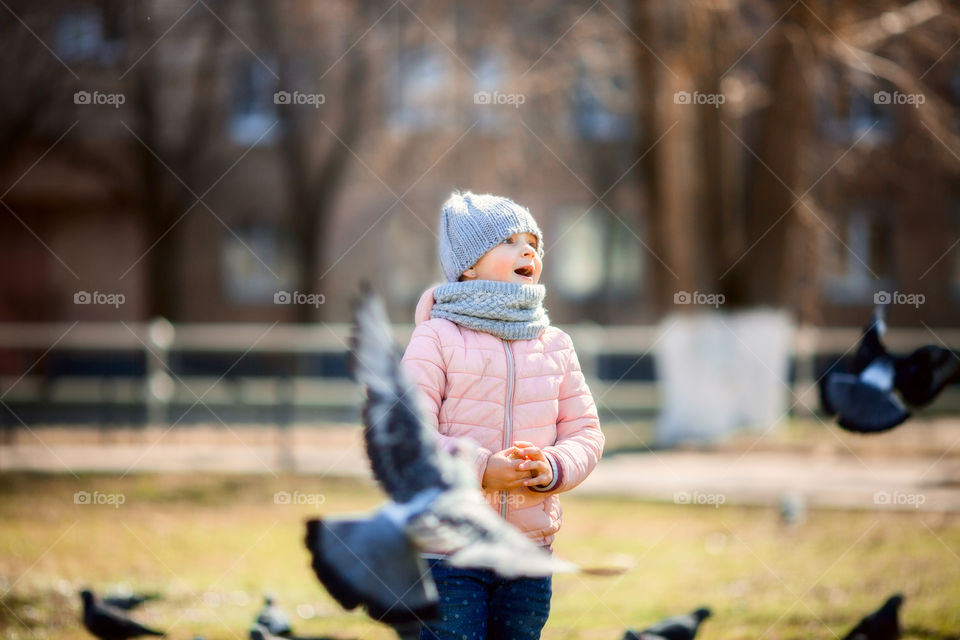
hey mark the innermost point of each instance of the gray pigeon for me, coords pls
(273, 618)
(109, 623)
(882, 624)
(675, 628)
(435, 504)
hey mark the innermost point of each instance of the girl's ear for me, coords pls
(469, 274)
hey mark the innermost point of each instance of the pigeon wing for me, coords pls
(401, 446)
(370, 562)
(922, 375)
(861, 407)
(462, 526)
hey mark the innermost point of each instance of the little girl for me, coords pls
(493, 370)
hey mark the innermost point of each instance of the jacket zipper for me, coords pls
(508, 425)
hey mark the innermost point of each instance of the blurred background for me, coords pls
(192, 192)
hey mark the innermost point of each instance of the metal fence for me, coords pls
(155, 373)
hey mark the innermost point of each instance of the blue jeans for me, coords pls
(477, 604)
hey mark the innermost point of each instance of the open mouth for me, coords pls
(526, 272)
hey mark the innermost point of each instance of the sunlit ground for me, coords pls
(213, 543)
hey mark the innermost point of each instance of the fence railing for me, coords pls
(157, 373)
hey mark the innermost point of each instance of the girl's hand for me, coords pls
(541, 473)
(503, 472)
(527, 450)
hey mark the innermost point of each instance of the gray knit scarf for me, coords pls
(508, 310)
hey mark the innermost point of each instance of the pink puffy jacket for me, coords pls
(495, 391)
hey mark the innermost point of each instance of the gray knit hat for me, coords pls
(472, 224)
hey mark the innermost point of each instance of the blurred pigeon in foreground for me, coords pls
(435, 504)
(110, 623)
(675, 628)
(273, 618)
(863, 397)
(882, 624)
(129, 602)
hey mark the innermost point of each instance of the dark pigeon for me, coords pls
(273, 618)
(109, 623)
(435, 504)
(863, 396)
(675, 628)
(882, 624)
(260, 632)
(128, 602)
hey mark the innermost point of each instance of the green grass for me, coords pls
(212, 543)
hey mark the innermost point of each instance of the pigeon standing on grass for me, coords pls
(435, 504)
(273, 618)
(109, 623)
(863, 397)
(882, 624)
(675, 628)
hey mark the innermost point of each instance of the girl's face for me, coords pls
(513, 260)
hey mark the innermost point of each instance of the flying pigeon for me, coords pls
(128, 602)
(882, 624)
(435, 504)
(674, 628)
(863, 397)
(109, 623)
(273, 618)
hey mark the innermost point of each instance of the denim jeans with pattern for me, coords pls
(477, 604)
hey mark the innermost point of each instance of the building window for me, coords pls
(594, 107)
(90, 34)
(488, 68)
(420, 92)
(245, 279)
(254, 113)
(599, 255)
(860, 262)
(852, 114)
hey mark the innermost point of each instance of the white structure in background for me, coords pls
(719, 372)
